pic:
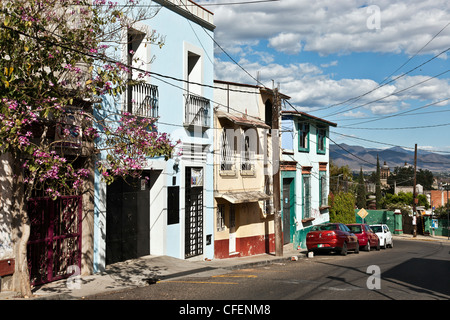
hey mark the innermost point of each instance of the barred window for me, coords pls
(220, 217)
(306, 196)
(323, 200)
(226, 153)
(321, 135)
(303, 137)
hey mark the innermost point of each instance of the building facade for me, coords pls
(243, 170)
(304, 174)
(170, 210)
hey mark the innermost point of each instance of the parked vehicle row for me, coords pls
(341, 238)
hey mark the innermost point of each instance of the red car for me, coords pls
(367, 238)
(332, 237)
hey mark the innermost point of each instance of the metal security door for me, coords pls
(54, 246)
(286, 211)
(127, 220)
(193, 217)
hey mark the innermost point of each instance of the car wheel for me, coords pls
(378, 245)
(392, 244)
(384, 245)
(357, 247)
(367, 247)
(344, 249)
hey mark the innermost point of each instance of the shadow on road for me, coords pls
(422, 275)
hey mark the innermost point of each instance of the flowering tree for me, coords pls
(54, 69)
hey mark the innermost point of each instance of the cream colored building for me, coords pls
(243, 170)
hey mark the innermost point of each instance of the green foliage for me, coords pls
(404, 176)
(404, 208)
(342, 207)
(443, 211)
(404, 198)
(340, 178)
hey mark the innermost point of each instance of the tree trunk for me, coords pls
(21, 232)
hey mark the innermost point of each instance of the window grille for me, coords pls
(220, 223)
(306, 196)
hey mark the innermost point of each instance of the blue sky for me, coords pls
(325, 52)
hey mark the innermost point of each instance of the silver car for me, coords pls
(383, 233)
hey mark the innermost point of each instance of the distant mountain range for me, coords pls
(356, 157)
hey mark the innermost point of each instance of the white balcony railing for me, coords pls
(197, 111)
(143, 100)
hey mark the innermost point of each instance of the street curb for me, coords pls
(264, 262)
(421, 238)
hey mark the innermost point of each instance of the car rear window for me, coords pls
(376, 228)
(355, 229)
(324, 227)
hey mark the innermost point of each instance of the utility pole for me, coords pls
(276, 174)
(414, 192)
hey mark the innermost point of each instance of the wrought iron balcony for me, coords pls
(197, 112)
(143, 100)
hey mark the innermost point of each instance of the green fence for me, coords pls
(393, 221)
(397, 225)
(442, 226)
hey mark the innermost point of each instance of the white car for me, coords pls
(383, 233)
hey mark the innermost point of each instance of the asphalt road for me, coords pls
(412, 270)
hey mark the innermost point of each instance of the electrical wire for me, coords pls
(194, 4)
(384, 84)
(395, 93)
(397, 114)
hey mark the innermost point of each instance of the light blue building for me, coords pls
(172, 213)
(304, 174)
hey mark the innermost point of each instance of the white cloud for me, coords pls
(286, 42)
(357, 114)
(331, 64)
(329, 26)
(311, 89)
(433, 89)
(296, 27)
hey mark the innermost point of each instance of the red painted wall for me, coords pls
(247, 246)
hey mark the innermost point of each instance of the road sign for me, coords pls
(362, 213)
(434, 223)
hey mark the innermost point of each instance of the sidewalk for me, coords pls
(148, 270)
(422, 238)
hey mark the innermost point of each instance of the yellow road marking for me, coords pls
(262, 270)
(235, 276)
(208, 282)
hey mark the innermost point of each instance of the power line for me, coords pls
(397, 114)
(205, 4)
(350, 152)
(401, 128)
(394, 93)
(382, 85)
(154, 74)
(416, 53)
(110, 60)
